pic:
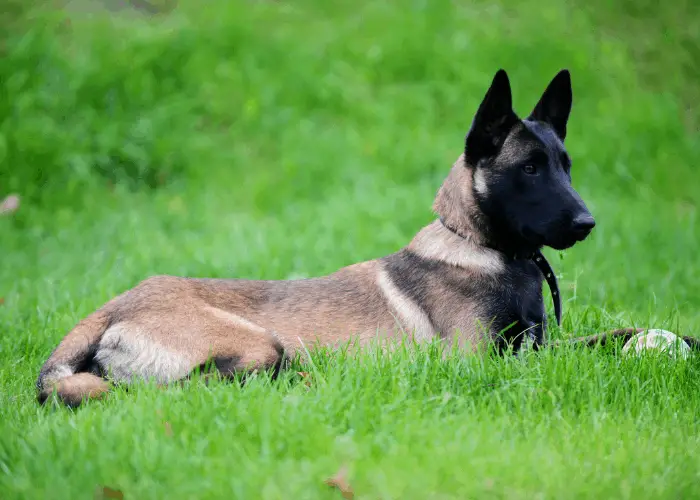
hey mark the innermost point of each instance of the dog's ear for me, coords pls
(493, 120)
(555, 104)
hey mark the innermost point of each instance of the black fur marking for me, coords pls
(514, 297)
(554, 106)
(42, 396)
(492, 122)
(87, 362)
(409, 273)
(520, 304)
(228, 366)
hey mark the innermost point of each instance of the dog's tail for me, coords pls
(624, 334)
(70, 369)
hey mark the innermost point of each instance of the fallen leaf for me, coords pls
(107, 492)
(2, 300)
(340, 482)
(9, 205)
(307, 378)
(168, 429)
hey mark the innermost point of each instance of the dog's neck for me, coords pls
(459, 214)
(456, 206)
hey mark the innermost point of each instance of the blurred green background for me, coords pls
(275, 139)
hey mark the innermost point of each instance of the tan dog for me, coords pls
(468, 275)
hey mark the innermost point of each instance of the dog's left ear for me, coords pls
(555, 104)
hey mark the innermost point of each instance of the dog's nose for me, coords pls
(583, 225)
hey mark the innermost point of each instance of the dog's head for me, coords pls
(521, 171)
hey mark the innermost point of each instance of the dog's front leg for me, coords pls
(531, 337)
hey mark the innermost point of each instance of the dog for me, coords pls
(470, 276)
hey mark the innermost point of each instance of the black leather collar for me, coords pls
(551, 279)
(539, 259)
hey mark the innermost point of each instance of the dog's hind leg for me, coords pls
(171, 349)
(154, 346)
(70, 370)
(261, 351)
(237, 345)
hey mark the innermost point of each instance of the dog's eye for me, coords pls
(530, 169)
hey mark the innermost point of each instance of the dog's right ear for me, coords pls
(493, 121)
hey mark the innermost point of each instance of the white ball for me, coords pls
(660, 340)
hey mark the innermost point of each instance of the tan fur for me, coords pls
(74, 389)
(455, 201)
(165, 327)
(438, 243)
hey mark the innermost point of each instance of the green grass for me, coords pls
(277, 139)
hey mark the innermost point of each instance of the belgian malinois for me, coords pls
(473, 274)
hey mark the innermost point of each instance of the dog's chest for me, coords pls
(517, 305)
(467, 300)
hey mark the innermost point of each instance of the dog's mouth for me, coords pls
(534, 238)
(567, 241)
(563, 244)
(561, 241)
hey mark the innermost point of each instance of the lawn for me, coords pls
(260, 139)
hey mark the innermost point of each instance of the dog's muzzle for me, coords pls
(582, 226)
